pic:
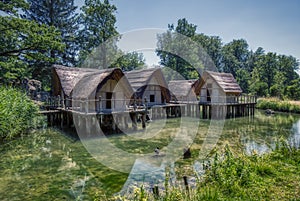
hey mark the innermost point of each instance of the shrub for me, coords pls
(16, 113)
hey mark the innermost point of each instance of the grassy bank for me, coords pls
(278, 105)
(273, 176)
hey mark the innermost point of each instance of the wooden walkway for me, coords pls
(60, 112)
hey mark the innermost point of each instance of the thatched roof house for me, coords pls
(65, 78)
(150, 84)
(109, 87)
(184, 90)
(216, 86)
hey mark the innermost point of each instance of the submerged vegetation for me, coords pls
(279, 105)
(17, 112)
(273, 176)
(49, 165)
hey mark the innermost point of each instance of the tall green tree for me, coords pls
(62, 15)
(213, 47)
(130, 61)
(23, 42)
(235, 56)
(98, 34)
(176, 50)
(267, 66)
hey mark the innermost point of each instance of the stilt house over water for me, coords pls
(149, 84)
(101, 90)
(184, 90)
(218, 87)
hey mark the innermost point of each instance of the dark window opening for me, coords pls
(208, 96)
(152, 98)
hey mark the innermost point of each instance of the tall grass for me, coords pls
(273, 176)
(278, 105)
(17, 112)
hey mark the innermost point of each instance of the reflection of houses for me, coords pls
(150, 84)
(184, 90)
(218, 87)
(106, 89)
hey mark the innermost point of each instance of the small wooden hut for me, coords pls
(106, 89)
(149, 84)
(218, 87)
(184, 90)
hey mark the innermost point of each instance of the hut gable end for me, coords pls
(142, 80)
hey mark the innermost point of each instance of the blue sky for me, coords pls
(271, 24)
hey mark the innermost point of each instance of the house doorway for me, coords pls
(109, 96)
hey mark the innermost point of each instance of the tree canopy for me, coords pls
(23, 42)
(257, 72)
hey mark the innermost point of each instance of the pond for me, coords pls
(50, 165)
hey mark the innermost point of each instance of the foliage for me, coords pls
(235, 55)
(278, 105)
(177, 50)
(212, 45)
(130, 61)
(62, 15)
(257, 72)
(23, 42)
(97, 31)
(17, 112)
(236, 177)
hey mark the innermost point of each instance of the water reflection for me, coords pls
(294, 139)
(258, 135)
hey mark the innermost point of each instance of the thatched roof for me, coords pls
(140, 79)
(82, 82)
(225, 81)
(65, 78)
(182, 87)
(91, 83)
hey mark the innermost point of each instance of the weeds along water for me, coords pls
(50, 165)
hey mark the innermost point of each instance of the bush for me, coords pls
(17, 112)
(278, 105)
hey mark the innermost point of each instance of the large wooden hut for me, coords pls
(184, 90)
(103, 90)
(149, 84)
(218, 87)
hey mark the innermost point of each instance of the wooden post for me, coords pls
(134, 119)
(87, 106)
(144, 120)
(63, 100)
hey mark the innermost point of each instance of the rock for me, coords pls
(269, 111)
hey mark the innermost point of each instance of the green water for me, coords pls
(50, 165)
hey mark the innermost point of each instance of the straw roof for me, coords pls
(183, 87)
(82, 82)
(225, 81)
(140, 79)
(65, 78)
(91, 83)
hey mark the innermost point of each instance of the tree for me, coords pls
(130, 61)
(97, 30)
(267, 66)
(62, 15)
(213, 47)
(23, 42)
(177, 50)
(235, 55)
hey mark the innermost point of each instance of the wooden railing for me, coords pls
(109, 105)
(95, 105)
(241, 99)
